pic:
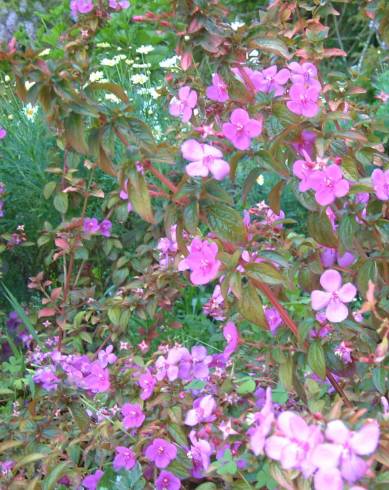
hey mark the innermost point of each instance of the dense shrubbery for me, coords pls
(199, 196)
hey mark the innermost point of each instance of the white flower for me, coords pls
(95, 76)
(141, 65)
(260, 179)
(28, 85)
(109, 62)
(119, 57)
(30, 111)
(169, 62)
(236, 25)
(145, 49)
(45, 52)
(139, 79)
(130, 62)
(112, 98)
(103, 45)
(7, 78)
(10, 117)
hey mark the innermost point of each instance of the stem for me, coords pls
(160, 176)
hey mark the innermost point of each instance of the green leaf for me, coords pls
(250, 306)
(320, 228)
(30, 458)
(246, 386)
(347, 231)
(379, 379)
(55, 474)
(177, 434)
(316, 359)
(264, 272)
(206, 486)
(48, 189)
(249, 183)
(191, 217)
(225, 222)
(61, 202)
(275, 196)
(75, 133)
(139, 195)
(216, 191)
(274, 46)
(368, 272)
(286, 373)
(122, 480)
(114, 315)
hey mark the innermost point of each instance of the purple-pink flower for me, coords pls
(107, 356)
(262, 425)
(147, 383)
(81, 6)
(202, 261)
(273, 319)
(202, 411)
(167, 481)
(90, 225)
(271, 80)
(305, 143)
(46, 378)
(91, 481)
(204, 159)
(334, 296)
(161, 452)
(231, 334)
(183, 105)
(105, 228)
(303, 100)
(124, 458)
(305, 73)
(3, 133)
(133, 416)
(242, 129)
(123, 194)
(218, 91)
(329, 184)
(119, 4)
(380, 180)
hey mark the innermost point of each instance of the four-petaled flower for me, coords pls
(201, 261)
(81, 6)
(380, 181)
(204, 159)
(161, 452)
(242, 129)
(270, 80)
(218, 90)
(124, 458)
(334, 296)
(328, 184)
(183, 105)
(133, 417)
(303, 100)
(91, 481)
(167, 481)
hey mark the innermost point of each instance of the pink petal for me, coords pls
(365, 441)
(239, 116)
(186, 114)
(319, 299)
(331, 280)
(183, 93)
(211, 151)
(294, 106)
(341, 188)
(197, 169)
(282, 76)
(290, 455)
(347, 292)
(329, 479)
(253, 128)
(242, 142)
(220, 169)
(353, 468)
(192, 99)
(310, 109)
(229, 131)
(337, 432)
(324, 196)
(326, 455)
(336, 311)
(192, 150)
(334, 172)
(274, 446)
(175, 107)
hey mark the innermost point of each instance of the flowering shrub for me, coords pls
(290, 389)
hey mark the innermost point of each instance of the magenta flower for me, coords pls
(334, 296)
(242, 129)
(202, 411)
(340, 459)
(106, 356)
(303, 101)
(262, 426)
(200, 362)
(305, 74)
(123, 194)
(329, 184)
(304, 170)
(161, 452)
(305, 143)
(90, 225)
(46, 378)
(90, 482)
(133, 417)
(3, 133)
(183, 105)
(293, 443)
(214, 306)
(218, 90)
(81, 6)
(97, 378)
(124, 458)
(201, 261)
(105, 228)
(344, 352)
(273, 319)
(201, 452)
(270, 80)
(204, 159)
(119, 4)
(380, 180)
(147, 383)
(167, 481)
(231, 334)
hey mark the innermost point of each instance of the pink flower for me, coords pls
(167, 481)
(231, 334)
(344, 352)
(218, 90)
(270, 80)
(242, 129)
(46, 378)
(125, 458)
(81, 6)
(147, 383)
(329, 184)
(341, 457)
(380, 180)
(124, 196)
(3, 133)
(304, 170)
(263, 425)
(90, 225)
(90, 482)
(201, 455)
(106, 356)
(214, 306)
(119, 4)
(303, 101)
(204, 159)
(201, 261)
(305, 143)
(133, 415)
(305, 74)
(273, 319)
(105, 228)
(202, 411)
(183, 105)
(334, 296)
(161, 452)
(97, 378)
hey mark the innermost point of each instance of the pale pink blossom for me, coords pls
(183, 105)
(204, 159)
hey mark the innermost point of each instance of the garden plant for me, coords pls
(195, 246)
